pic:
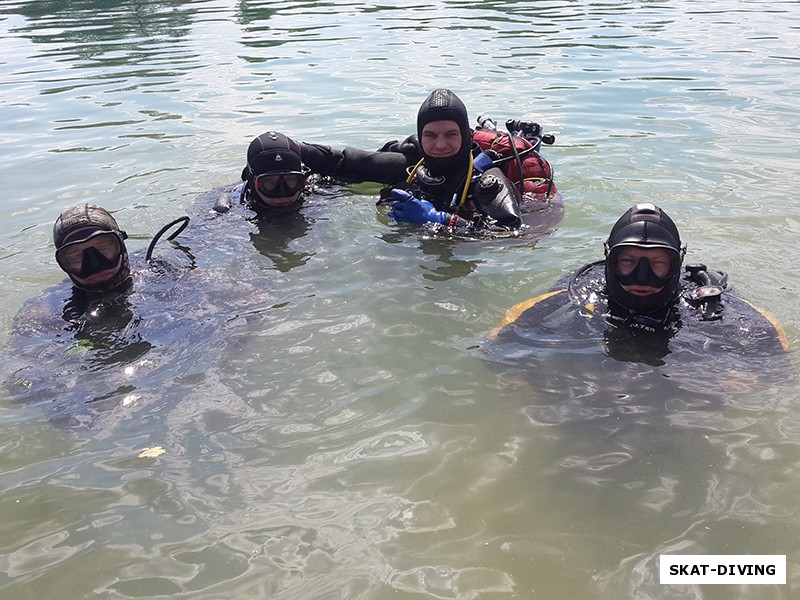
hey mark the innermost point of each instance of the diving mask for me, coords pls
(280, 185)
(100, 251)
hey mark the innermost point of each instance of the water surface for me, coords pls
(331, 428)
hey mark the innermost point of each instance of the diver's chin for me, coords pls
(98, 278)
(281, 202)
(641, 290)
(278, 202)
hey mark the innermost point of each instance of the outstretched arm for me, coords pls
(354, 164)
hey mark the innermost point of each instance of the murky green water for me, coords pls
(330, 426)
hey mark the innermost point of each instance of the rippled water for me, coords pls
(331, 428)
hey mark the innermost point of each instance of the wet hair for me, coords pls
(644, 226)
(444, 105)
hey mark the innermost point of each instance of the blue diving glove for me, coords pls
(413, 210)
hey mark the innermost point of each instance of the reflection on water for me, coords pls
(319, 384)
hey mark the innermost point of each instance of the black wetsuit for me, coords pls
(574, 338)
(491, 201)
(83, 353)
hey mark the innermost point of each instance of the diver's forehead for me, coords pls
(443, 126)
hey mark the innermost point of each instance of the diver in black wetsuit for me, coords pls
(644, 306)
(275, 185)
(435, 175)
(274, 179)
(91, 250)
(119, 320)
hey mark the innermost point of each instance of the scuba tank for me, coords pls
(493, 198)
(517, 153)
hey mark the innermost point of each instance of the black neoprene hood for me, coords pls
(273, 152)
(645, 225)
(79, 216)
(444, 105)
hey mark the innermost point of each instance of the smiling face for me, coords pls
(441, 139)
(277, 202)
(627, 262)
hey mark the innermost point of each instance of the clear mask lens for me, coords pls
(280, 185)
(99, 251)
(655, 271)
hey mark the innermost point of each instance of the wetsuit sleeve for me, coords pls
(354, 164)
(380, 167)
(227, 199)
(496, 197)
(322, 160)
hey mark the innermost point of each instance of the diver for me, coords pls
(267, 202)
(644, 305)
(91, 250)
(436, 176)
(102, 315)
